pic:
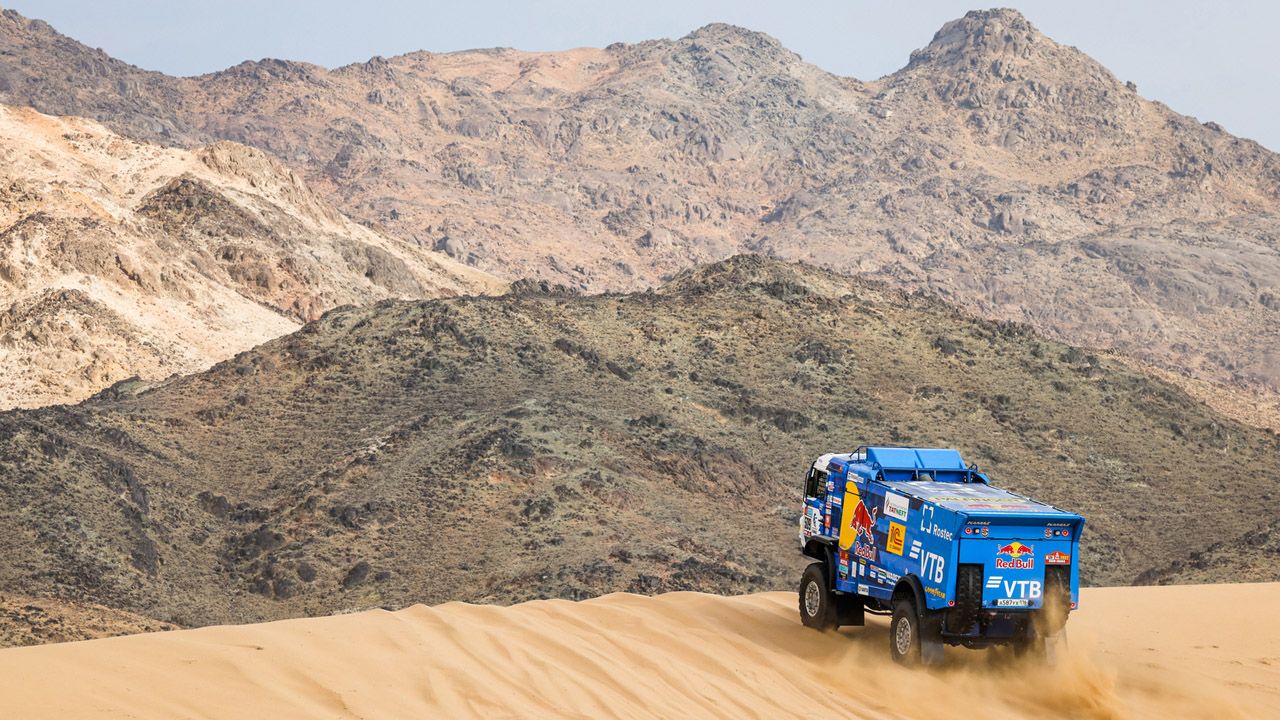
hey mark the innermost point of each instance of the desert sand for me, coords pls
(1189, 651)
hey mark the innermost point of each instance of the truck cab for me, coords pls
(918, 534)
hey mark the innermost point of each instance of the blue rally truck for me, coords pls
(917, 534)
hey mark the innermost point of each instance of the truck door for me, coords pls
(815, 505)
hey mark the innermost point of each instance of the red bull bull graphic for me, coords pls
(857, 525)
(864, 523)
(1021, 557)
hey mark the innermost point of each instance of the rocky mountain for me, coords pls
(122, 259)
(1000, 170)
(546, 444)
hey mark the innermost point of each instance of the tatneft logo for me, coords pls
(896, 506)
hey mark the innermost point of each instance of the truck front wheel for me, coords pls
(817, 607)
(904, 633)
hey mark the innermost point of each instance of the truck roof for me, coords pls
(893, 463)
(939, 476)
(974, 498)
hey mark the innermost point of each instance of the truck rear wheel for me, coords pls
(1056, 603)
(817, 606)
(904, 633)
(968, 600)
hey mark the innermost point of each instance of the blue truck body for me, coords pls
(891, 521)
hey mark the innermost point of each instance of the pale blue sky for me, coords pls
(1215, 61)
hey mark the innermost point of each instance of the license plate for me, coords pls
(1013, 603)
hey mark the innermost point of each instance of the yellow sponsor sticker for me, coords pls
(897, 534)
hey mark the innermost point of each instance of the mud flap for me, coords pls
(849, 610)
(931, 650)
(931, 639)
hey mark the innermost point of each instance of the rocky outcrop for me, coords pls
(121, 259)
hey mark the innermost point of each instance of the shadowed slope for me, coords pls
(545, 445)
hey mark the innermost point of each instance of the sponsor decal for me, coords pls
(862, 567)
(979, 499)
(862, 589)
(864, 521)
(1057, 557)
(896, 506)
(812, 520)
(1012, 602)
(867, 552)
(1021, 557)
(1016, 549)
(1018, 560)
(1016, 564)
(888, 577)
(857, 522)
(897, 535)
(915, 550)
(932, 567)
(1014, 588)
(836, 501)
(935, 592)
(927, 525)
(997, 506)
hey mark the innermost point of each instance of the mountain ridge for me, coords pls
(998, 169)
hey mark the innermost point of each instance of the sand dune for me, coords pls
(1194, 651)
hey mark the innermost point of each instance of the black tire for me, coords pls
(817, 606)
(968, 600)
(904, 633)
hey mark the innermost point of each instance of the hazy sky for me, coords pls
(1215, 61)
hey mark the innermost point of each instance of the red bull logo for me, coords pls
(857, 523)
(1021, 557)
(865, 552)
